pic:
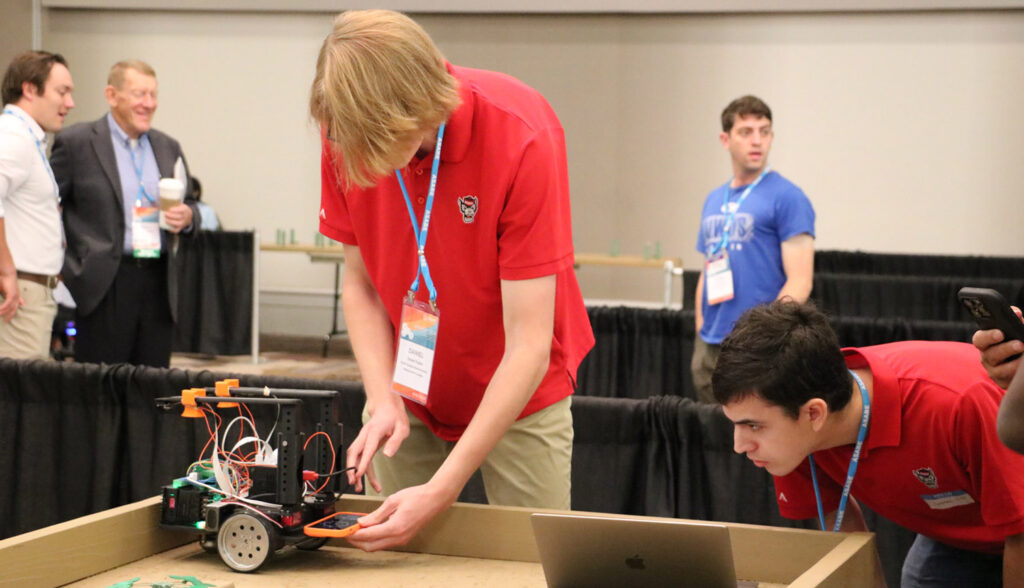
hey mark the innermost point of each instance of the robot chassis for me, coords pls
(244, 536)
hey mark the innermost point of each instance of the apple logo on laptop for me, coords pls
(635, 563)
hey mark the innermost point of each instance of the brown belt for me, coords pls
(48, 281)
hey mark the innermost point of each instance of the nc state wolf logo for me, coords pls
(926, 477)
(468, 207)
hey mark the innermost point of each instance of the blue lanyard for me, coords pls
(421, 234)
(39, 148)
(137, 165)
(730, 215)
(861, 435)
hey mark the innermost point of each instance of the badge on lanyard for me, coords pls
(717, 273)
(417, 337)
(414, 360)
(145, 231)
(718, 278)
(145, 213)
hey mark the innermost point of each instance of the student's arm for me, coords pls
(853, 522)
(1013, 561)
(798, 264)
(994, 352)
(8, 279)
(528, 318)
(1010, 422)
(372, 338)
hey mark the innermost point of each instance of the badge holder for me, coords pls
(414, 359)
(718, 278)
(145, 231)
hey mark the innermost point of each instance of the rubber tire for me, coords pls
(208, 542)
(311, 543)
(246, 541)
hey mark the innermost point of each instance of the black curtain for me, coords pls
(215, 294)
(908, 264)
(639, 352)
(925, 297)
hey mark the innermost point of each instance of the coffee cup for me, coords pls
(172, 193)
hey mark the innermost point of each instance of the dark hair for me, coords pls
(744, 106)
(32, 67)
(786, 353)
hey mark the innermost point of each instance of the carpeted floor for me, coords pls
(294, 357)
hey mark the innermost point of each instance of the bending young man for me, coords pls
(922, 417)
(449, 188)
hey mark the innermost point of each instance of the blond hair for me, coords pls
(380, 81)
(116, 76)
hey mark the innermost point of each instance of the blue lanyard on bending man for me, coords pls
(865, 420)
(414, 357)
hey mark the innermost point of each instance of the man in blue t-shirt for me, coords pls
(757, 236)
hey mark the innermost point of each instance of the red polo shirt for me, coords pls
(932, 461)
(501, 212)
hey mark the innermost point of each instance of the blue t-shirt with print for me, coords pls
(775, 210)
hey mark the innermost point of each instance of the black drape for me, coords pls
(911, 264)
(638, 352)
(908, 297)
(643, 352)
(215, 293)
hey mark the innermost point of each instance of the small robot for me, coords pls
(248, 500)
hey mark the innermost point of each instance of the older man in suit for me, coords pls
(119, 261)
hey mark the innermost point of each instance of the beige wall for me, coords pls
(901, 127)
(15, 29)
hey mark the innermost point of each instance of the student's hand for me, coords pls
(994, 352)
(400, 517)
(178, 217)
(12, 296)
(389, 425)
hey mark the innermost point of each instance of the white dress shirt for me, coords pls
(28, 195)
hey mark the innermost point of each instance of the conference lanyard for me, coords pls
(137, 166)
(730, 215)
(39, 148)
(861, 435)
(421, 233)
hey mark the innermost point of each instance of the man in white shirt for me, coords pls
(37, 96)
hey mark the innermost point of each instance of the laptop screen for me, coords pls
(586, 550)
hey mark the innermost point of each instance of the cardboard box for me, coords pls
(475, 543)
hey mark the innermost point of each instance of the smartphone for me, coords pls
(338, 524)
(991, 311)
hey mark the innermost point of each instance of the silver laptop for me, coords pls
(582, 550)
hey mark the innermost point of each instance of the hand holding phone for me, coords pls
(338, 524)
(990, 310)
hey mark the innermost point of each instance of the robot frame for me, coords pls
(247, 506)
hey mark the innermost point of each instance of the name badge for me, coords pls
(414, 360)
(145, 231)
(718, 278)
(947, 499)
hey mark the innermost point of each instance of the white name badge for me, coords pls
(947, 499)
(414, 360)
(718, 278)
(145, 231)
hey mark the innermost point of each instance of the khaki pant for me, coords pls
(530, 466)
(29, 334)
(702, 365)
